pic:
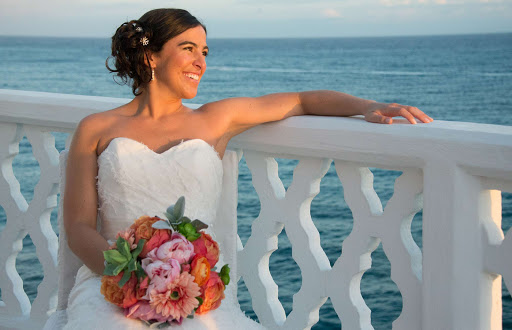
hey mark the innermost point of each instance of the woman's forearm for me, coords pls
(88, 245)
(332, 103)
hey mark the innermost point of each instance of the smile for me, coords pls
(192, 76)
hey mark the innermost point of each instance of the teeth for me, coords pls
(193, 76)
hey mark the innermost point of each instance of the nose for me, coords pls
(200, 62)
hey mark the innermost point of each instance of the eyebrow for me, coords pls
(192, 43)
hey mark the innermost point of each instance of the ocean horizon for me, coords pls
(464, 78)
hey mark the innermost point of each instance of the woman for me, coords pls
(163, 54)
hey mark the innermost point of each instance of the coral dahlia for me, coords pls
(179, 300)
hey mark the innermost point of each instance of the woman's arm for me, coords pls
(243, 113)
(81, 198)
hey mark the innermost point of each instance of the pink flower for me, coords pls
(160, 273)
(178, 248)
(205, 246)
(143, 311)
(129, 236)
(179, 300)
(185, 268)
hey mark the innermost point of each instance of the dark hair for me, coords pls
(130, 55)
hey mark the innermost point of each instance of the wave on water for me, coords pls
(496, 74)
(382, 73)
(247, 69)
(294, 70)
(403, 73)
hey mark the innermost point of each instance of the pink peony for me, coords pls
(143, 311)
(205, 246)
(160, 273)
(179, 300)
(178, 248)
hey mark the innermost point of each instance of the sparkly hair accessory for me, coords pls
(138, 29)
(144, 41)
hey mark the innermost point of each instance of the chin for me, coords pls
(189, 96)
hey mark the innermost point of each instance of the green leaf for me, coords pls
(124, 279)
(124, 248)
(224, 274)
(189, 231)
(225, 279)
(114, 257)
(162, 224)
(193, 237)
(139, 272)
(138, 249)
(119, 268)
(131, 266)
(168, 214)
(199, 225)
(109, 270)
(184, 220)
(179, 208)
(200, 301)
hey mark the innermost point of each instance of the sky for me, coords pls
(264, 18)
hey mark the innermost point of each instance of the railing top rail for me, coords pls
(475, 146)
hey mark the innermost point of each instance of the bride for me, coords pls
(140, 157)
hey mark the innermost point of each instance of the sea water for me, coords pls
(461, 77)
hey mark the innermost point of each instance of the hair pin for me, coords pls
(144, 41)
(138, 29)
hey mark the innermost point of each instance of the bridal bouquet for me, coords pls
(162, 271)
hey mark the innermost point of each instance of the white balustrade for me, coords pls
(453, 171)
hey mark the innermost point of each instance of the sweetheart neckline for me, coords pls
(163, 152)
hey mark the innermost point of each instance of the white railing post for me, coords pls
(457, 293)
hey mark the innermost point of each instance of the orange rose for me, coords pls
(205, 246)
(111, 290)
(122, 297)
(212, 294)
(143, 229)
(154, 237)
(200, 269)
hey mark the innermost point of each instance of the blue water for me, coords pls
(464, 78)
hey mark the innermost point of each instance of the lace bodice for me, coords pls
(133, 180)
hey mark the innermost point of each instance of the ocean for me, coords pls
(460, 78)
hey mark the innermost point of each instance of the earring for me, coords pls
(152, 74)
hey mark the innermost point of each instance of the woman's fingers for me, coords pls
(420, 115)
(384, 114)
(375, 117)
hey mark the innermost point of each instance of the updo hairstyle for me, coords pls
(131, 55)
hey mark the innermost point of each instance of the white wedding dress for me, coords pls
(133, 180)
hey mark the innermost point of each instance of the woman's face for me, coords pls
(181, 63)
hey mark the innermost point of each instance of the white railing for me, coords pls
(453, 171)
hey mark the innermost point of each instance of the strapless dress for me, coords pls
(133, 180)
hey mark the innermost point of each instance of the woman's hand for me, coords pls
(383, 113)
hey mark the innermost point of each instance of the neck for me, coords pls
(156, 104)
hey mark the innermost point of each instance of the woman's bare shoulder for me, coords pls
(92, 128)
